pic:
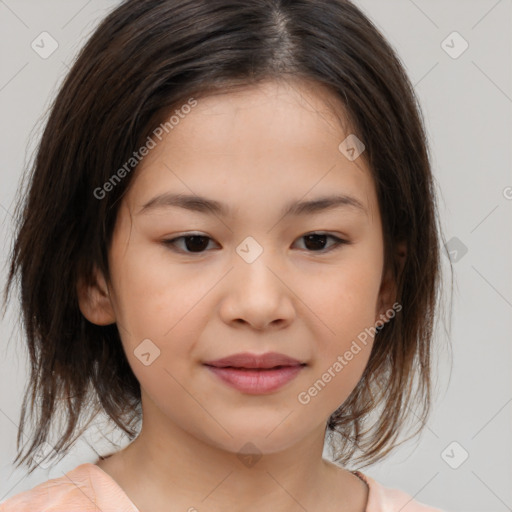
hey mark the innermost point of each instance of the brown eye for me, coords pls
(197, 244)
(315, 242)
(192, 243)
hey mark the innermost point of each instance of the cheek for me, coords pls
(346, 306)
(334, 377)
(166, 304)
(346, 298)
(151, 295)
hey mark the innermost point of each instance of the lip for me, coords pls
(256, 381)
(252, 361)
(256, 374)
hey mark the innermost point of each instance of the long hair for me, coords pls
(145, 59)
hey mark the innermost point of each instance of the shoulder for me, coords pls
(71, 492)
(384, 499)
(81, 490)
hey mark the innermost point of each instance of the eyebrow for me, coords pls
(210, 206)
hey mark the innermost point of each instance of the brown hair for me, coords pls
(146, 58)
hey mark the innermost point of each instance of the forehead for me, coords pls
(252, 114)
(271, 140)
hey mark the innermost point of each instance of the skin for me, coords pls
(255, 149)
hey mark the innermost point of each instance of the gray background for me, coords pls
(466, 102)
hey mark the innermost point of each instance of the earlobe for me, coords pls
(94, 300)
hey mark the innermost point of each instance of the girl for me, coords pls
(230, 246)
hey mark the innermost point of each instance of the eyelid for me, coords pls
(338, 242)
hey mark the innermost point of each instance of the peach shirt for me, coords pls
(88, 488)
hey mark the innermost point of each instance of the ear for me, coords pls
(388, 288)
(94, 300)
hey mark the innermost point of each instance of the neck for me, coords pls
(171, 465)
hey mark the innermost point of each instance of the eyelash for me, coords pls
(338, 242)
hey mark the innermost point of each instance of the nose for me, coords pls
(257, 294)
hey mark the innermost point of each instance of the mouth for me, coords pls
(248, 361)
(256, 374)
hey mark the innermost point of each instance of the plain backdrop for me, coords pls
(463, 459)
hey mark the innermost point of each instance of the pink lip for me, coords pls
(256, 374)
(248, 360)
(256, 382)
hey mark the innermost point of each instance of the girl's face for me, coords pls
(256, 283)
